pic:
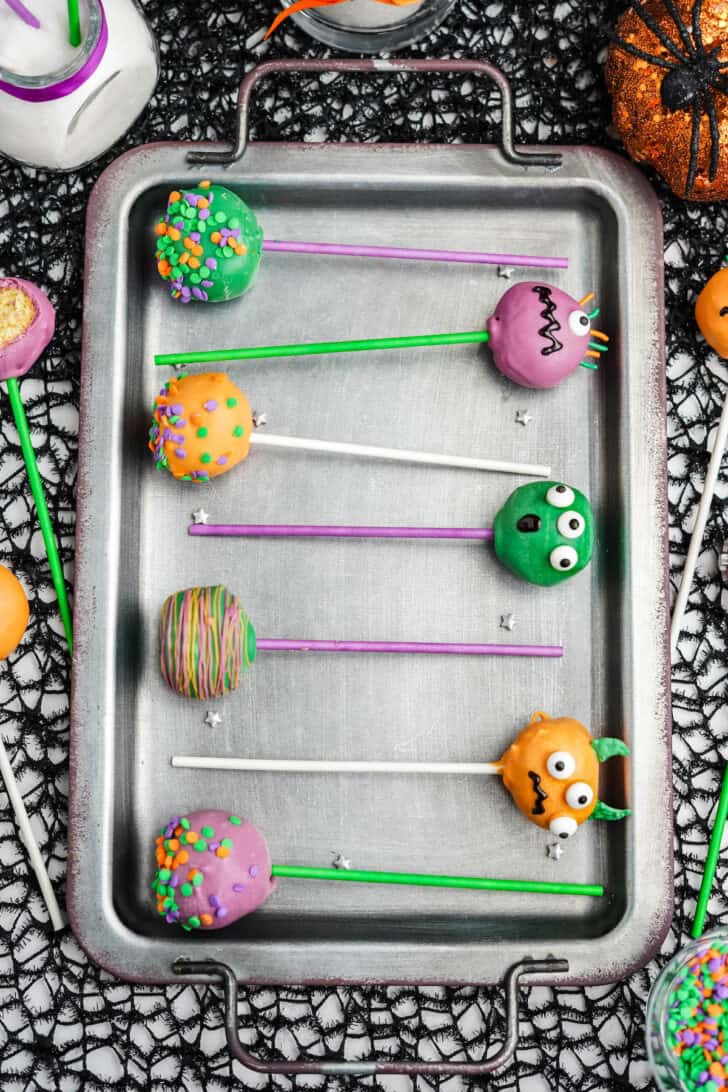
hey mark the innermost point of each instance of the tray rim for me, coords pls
(132, 169)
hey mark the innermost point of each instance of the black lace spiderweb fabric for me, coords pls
(65, 1024)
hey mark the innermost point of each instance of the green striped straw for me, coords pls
(711, 861)
(74, 23)
(414, 879)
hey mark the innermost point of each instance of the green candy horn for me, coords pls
(608, 747)
(604, 811)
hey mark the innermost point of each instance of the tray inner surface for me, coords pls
(359, 707)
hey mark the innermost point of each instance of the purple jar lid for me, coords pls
(71, 83)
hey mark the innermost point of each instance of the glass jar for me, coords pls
(367, 26)
(61, 106)
(664, 1062)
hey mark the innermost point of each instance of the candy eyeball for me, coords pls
(563, 826)
(539, 334)
(579, 795)
(563, 559)
(561, 765)
(579, 323)
(544, 532)
(560, 496)
(570, 525)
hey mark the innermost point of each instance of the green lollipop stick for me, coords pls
(316, 348)
(416, 879)
(44, 519)
(711, 861)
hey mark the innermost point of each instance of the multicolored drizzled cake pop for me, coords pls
(538, 334)
(212, 868)
(209, 247)
(207, 641)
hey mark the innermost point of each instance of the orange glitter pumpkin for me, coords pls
(14, 612)
(711, 312)
(667, 72)
(552, 772)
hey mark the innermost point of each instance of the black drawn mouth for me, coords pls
(529, 524)
(539, 794)
(552, 325)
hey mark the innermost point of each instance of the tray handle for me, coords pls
(521, 158)
(211, 968)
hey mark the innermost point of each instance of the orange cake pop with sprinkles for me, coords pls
(201, 428)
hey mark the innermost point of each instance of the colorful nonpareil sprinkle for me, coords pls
(697, 1020)
(208, 244)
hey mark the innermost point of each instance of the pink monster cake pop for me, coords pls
(27, 324)
(539, 335)
(212, 868)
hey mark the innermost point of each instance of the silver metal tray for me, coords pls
(604, 433)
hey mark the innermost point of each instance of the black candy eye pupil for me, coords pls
(574, 524)
(559, 765)
(565, 563)
(582, 800)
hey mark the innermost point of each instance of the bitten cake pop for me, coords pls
(207, 642)
(544, 533)
(538, 335)
(214, 868)
(209, 247)
(551, 771)
(14, 613)
(203, 426)
(27, 323)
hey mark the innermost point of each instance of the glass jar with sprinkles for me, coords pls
(60, 105)
(687, 1018)
(372, 26)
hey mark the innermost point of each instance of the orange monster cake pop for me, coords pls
(14, 612)
(551, 771)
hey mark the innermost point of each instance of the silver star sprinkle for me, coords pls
(213, 719)
(505, 271)
(554, 851)
(341, 862)
(260, 419)
(523, 417)
(508, 621)
(200, 516)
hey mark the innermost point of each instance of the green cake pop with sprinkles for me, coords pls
(209, 244)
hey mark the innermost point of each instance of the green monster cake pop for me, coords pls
(208, 244)
(544, 532)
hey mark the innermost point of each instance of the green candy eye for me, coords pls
(560, 496)
(563, 559)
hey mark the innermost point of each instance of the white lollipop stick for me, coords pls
(31, 845)
(393, 454)
(696, 541)
(284, 765)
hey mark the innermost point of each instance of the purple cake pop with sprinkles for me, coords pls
(212, 868)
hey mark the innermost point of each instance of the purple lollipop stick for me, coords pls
(309, 530)
(27, 16)
(534, 261)
(276, 644)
